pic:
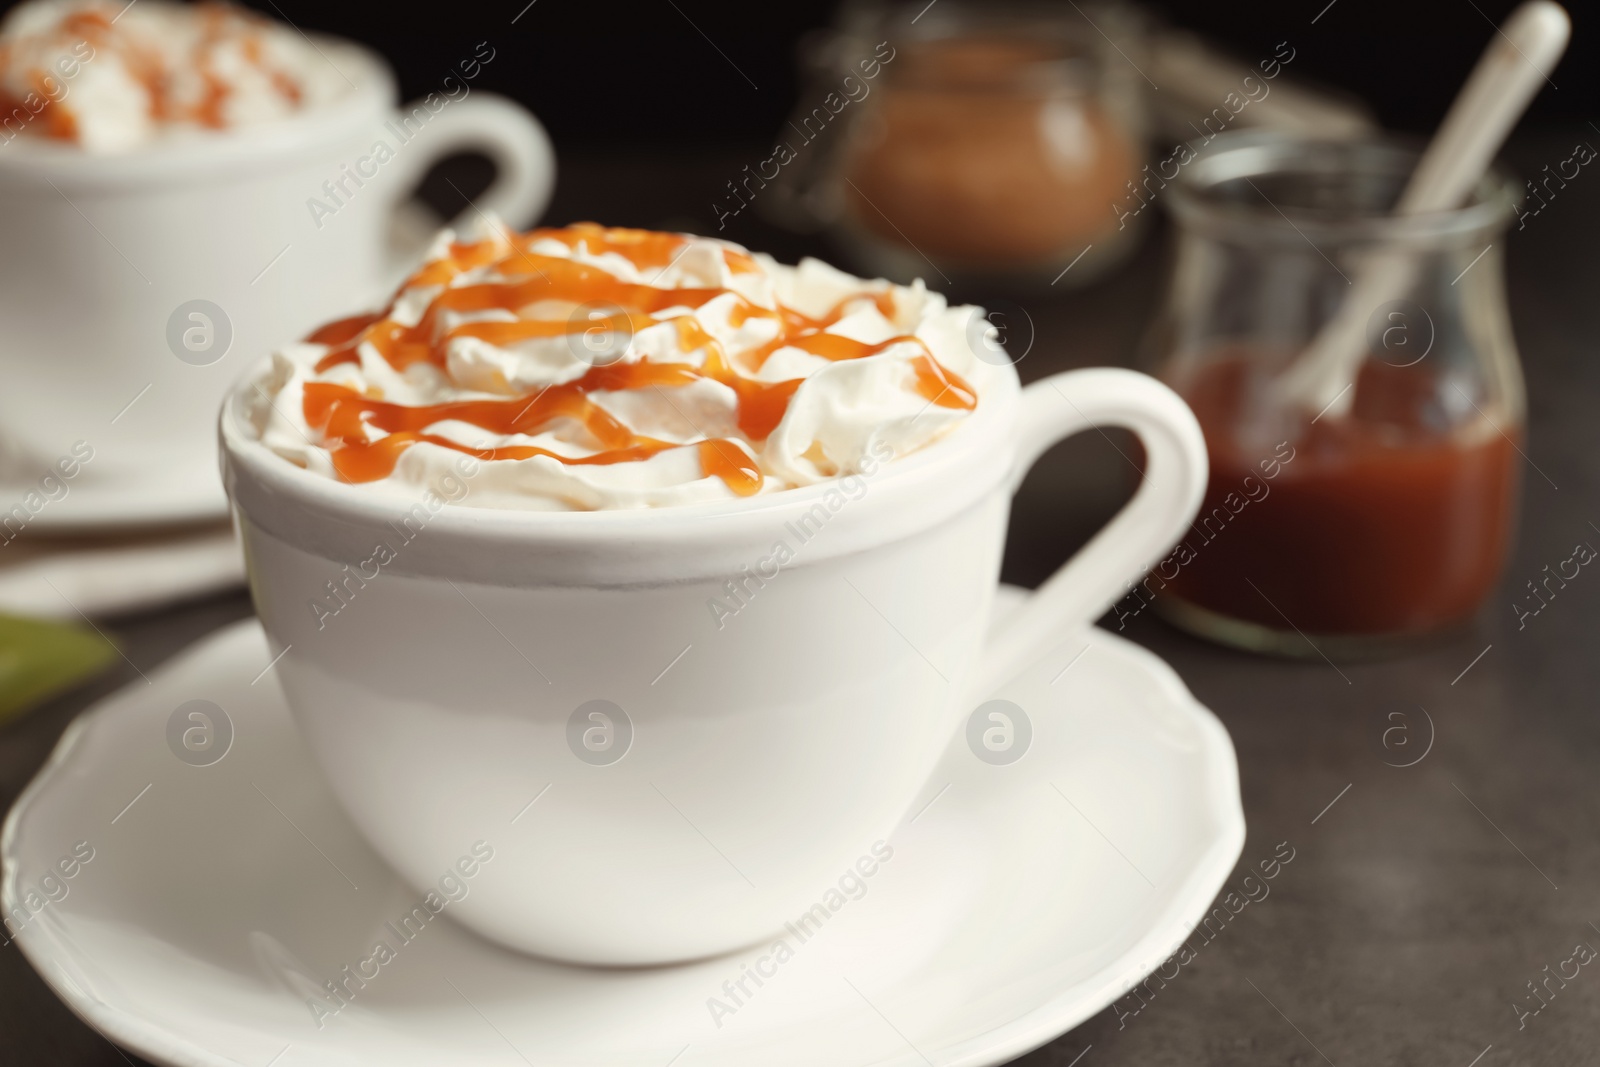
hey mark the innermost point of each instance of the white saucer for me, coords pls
(125, 502)
(1019, 899)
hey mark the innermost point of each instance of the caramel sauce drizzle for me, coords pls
(344, 415)
(221, 24)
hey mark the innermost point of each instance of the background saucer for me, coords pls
(131, 502)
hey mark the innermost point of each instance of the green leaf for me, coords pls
(40, 659)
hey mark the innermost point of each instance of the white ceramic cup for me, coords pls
(104, 255)
(739, 764)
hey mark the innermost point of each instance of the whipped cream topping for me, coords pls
(588, 368)
(111, 76)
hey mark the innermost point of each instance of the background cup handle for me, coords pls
(501, 129)
(1147, 526)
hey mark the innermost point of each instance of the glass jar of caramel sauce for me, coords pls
(1339, 520)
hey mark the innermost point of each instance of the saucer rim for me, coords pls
(1185, 906)
(136, 504)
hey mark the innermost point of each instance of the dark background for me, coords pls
(618, 75)
(613, 74)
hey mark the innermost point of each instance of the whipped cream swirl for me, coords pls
(589, 368)
(112, 76)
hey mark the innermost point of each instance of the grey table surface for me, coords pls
(1422, 899)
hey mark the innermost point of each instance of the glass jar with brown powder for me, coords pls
(994, 143)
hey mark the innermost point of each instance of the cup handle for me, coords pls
(501, 129)
(1147, 526)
